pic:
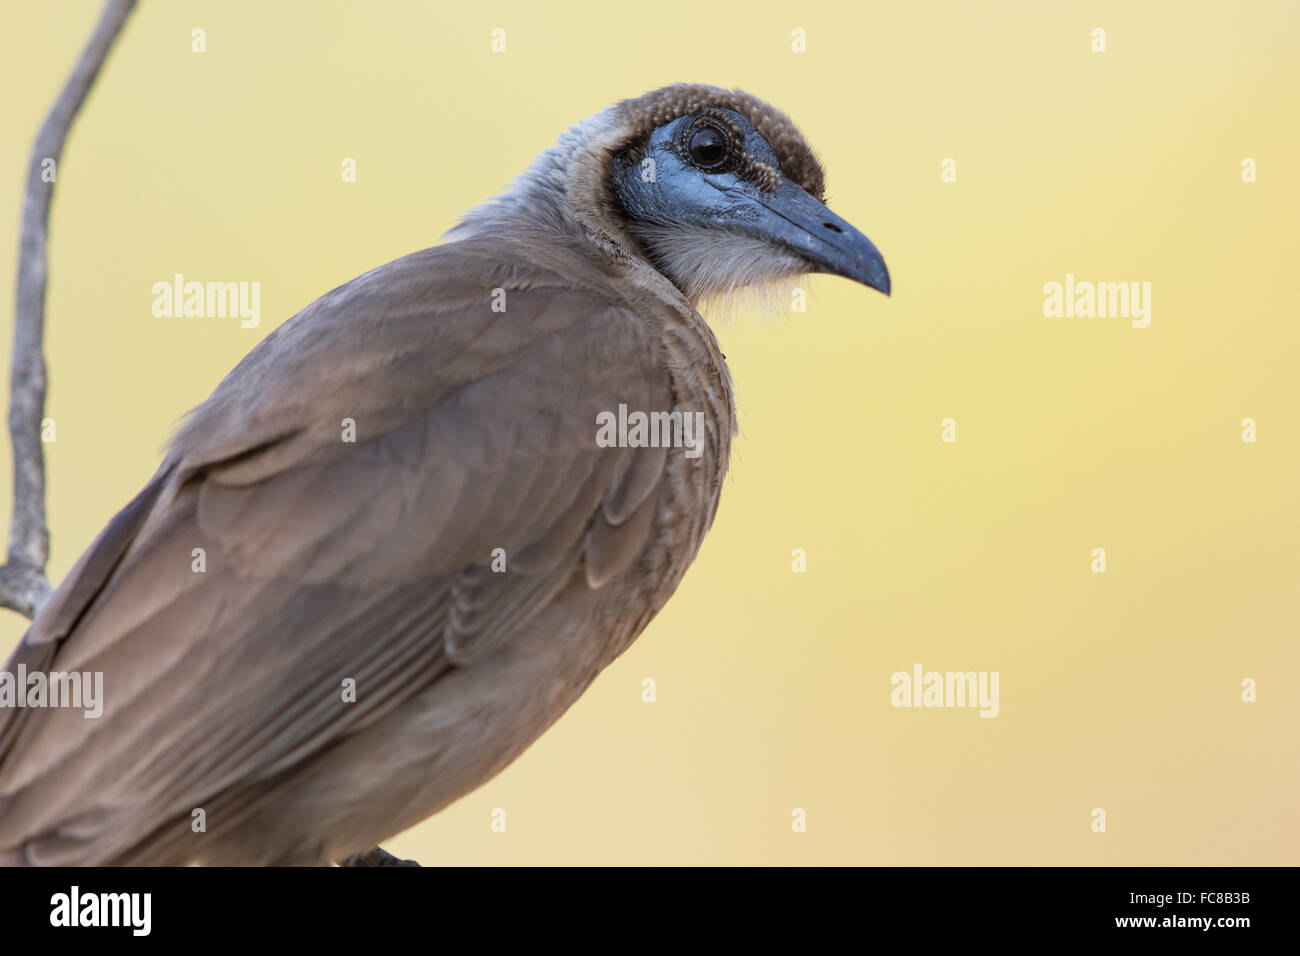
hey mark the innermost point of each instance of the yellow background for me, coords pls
(1118, 690)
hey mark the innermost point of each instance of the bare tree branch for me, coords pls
(23, 585)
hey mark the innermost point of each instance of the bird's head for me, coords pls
(721, 192)
(714, 189)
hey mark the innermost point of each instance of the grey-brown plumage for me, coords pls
(371, 559)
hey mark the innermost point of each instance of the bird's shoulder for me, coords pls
(414, 334)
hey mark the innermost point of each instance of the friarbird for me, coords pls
(389, 551)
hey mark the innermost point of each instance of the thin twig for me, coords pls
(23, 585)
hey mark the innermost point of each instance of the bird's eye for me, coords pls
(708, 147)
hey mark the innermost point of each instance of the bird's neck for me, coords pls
(564, 193)
(565, 199)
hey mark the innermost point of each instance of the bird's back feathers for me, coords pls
(326, 559)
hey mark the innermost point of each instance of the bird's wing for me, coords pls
(272, 558)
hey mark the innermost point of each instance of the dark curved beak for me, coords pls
(792, 218)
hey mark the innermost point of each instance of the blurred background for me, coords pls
(1119, 690)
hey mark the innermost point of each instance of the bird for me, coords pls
(388, 552)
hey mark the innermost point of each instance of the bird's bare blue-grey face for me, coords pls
(705, 196)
